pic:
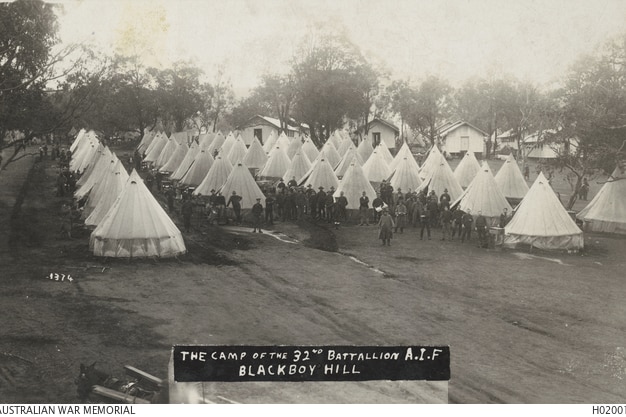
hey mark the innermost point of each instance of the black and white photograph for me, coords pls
(311, 202)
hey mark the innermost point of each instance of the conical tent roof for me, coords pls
(216, 177)
(186, 163)
(104, 153)
(404, 152)
(376, 168)
(200, 167)
(205, 139)
(159, 141)
(241, 181)
(330, 154)
(104, 162)
(541, 221)
(176, 159)
(180, 137)
(384, 151)
(99, 188)
(216, 143)
(237, 151)
(406, 176)
(606, 212)
(350, 157)
(277, 164)
(365, 149)
(79, 138)
(483, 194)
(146, 140)
(228, 144)
(136, 226)
(166, 153)
(432, 161)
(353, 184)
(309, 148)
(294, 146)
(299, 166)
(344, 146)
(322, 175)
(115, 182)
(335, 139)
(271, 142)
(283, 141)
(467, 169)
(85, 155)
(158, 144)
(510, 179)
(255, 155)
(440, 178)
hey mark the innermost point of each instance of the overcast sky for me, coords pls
(454, 39)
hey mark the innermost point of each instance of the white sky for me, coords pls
(454, 39)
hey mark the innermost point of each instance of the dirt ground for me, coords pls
(522, 327)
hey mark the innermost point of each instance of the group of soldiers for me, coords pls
(428, 211)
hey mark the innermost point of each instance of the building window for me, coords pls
(259, 135)
(290, 133)
(375, 139)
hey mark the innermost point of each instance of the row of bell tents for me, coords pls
(540, 219)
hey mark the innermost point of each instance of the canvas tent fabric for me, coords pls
(186, 163)
(606, 212)
(205, 139)
(146, 140)
(216, 143)
(542, 222)
(228, 144)
(200, 167)
(309, 148)
(77, 141)
(353, 184)
(215, 178)
(351, 156)
(384, 151)
(294, 146)
(330, 154)
(100, 168)
(467, 169)
(406, 175)
(510, 180)
(365, 149)
(441, 177)
(115, 182)
(85, 155)
(298, 167)
(99, 187)
(166, 153)
(158, 145)
(255, 155)
(321, 175)
(376, 168)
(483, 195)
(175, 160)
(271, 142)
(237, 151)
(432, 161)
(105, 153)
(277, 164)
(404, 152)
(344, 146)
(241, 181)
(136, 226)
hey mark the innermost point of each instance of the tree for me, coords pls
(278, 93)
(332, 80)
(402, 98)
(431, 105)
(223, 98)
(593, 115)
(179, 93)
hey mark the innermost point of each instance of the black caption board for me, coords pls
(196, 363)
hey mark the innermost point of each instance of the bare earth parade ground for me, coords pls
(523, 327)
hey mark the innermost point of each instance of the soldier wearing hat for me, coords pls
(321, 203)
(257, 212)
